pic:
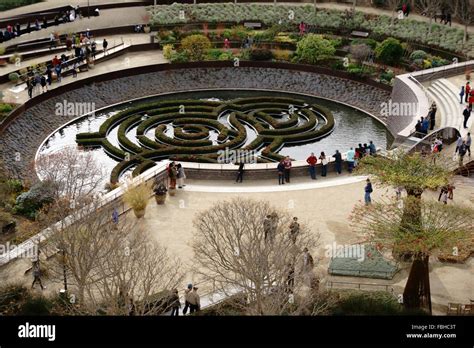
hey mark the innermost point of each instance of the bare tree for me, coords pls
(103, 264)
(360, 52)
(430, 8)
(246, 246)
(464, 12)
(76, 174)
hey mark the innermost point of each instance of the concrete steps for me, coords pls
(446, 96)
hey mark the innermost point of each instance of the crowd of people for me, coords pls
(427, 123)
(85, 51)
(65, 16)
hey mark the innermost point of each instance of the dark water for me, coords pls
(352, 126)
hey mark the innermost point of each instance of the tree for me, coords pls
(390, 51)
(75, 174)
(313, 48)
(360, 52)
(415, 174)
(104, 264)
(430, 8)
(244, 246)
(463, 11)
(439, 227)
(196, 46)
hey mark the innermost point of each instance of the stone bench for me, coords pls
(357, 33)
(253, 25)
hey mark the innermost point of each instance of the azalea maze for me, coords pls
(199, 130)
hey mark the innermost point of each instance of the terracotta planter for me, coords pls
(160, 199)
(139, 213)
(172, 191)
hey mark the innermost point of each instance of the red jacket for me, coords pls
(312, 160)
(471, 98)
(468, 88)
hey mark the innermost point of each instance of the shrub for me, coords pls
(2, 50)
(314, 48)
(418, 54)
(28, 203)
(168, 51)
(369, 42)
(214, 54)
(227, 34)
(360, 52)
(179, 57)
(355, 69)
(13, 77)
(390, 51)
(9, 4)
(5, 108)
(14, 58)
(137, 196)
(195, 46)
(240, 32)
(387, 75)
(260, 54)
(283, 55)
(226, 56)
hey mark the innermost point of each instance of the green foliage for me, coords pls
(179, 57)
(195, 46)
(387, 75)
(260, 54)
(418, 54)
(390, 51)
(410, 171)
(168, 51)
(313, 48)
(5, 108)
(355, 69)
(369, 303)
(2, 50)
(214, 54)
(13, 77)
(28, 203)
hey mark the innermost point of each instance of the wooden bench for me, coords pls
(357, 33)
(253, 25)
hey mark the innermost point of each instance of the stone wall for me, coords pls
(25, 134)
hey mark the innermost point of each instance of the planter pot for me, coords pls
(139, 213)
(160, 199)
(172, 191)
(147, 30)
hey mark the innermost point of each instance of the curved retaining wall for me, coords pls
(26, 127)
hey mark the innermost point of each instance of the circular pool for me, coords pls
(200, 125)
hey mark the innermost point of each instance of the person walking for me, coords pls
(37, 275)
(43, 84)
(181, 175)
(444, 189)
(466, 113)
(308, 261)
(105, 44)
(458, 144)
(194, 301)
(324, 164)
(312, 160)
(462, 153)
(57, 70)
(267, 228)
(368, 190)
(287, 164)
(444, 197)
(471, 100)
(294, 229)
(290, 278)
(281, 173)
(338, 161)
(462, 94)
(187, 304)
(29, 86)
(468, 143)
(432, 115)
(240, 172)
(175, 304)
(49, 74)
(350, 158)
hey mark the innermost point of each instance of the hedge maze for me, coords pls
(202, 128)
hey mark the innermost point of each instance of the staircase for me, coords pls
(447, 99)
